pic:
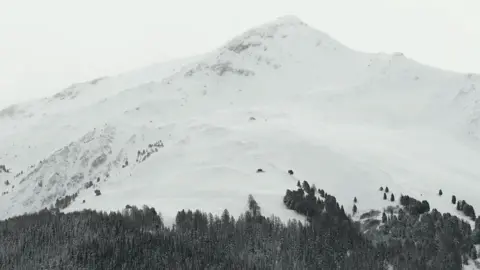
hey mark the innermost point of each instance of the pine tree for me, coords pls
(424, 207)
(342, 211)
(440, 192)
(306, 186)
(253, 206)
(392, 198)
(454, 199)
(384, 196)
(225, 217)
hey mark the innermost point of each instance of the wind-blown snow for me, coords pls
(278, 97)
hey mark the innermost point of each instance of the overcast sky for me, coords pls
(47, 45)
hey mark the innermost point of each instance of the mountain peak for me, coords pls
(285, 31)
(279, 96)
(284, 41)
(288, 20)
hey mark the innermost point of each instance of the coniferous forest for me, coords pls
(408, 237)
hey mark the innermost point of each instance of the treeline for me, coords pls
(410, 238)
(467, 209)
(137, 239)
(335, 240)
(413, 206)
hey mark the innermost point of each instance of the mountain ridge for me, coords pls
(278, 101)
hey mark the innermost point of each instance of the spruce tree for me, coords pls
(454, 199)
(354, 210)
(392, 198)
(253, 206)
(355, 200)
(384, 196)
(387, 190)
(384, 218)
(440, 192)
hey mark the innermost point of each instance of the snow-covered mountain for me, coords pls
(192, 133)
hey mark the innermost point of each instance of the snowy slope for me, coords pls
(280, 96)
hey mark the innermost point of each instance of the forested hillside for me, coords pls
(328, 239)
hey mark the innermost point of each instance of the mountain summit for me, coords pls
(282, 96)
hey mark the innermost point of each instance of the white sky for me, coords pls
(47, 45)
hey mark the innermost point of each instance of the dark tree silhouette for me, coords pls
(327, 238)
(469, 211)
(253, 206)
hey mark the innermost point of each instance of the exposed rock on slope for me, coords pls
(179, 136)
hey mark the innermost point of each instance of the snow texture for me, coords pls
(192, 133)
